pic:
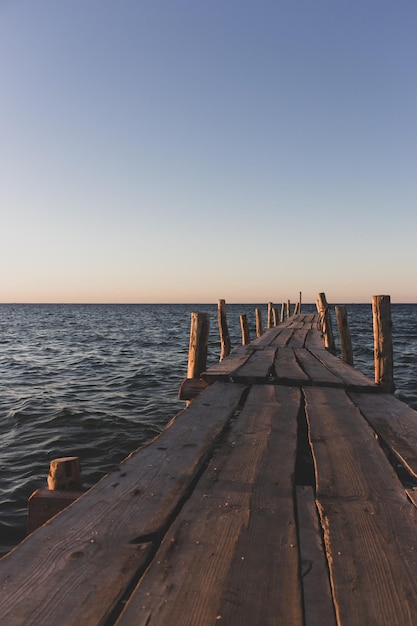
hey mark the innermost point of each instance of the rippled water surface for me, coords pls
(97, 381)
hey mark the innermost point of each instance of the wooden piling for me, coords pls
(64, 487)
(258, 318)
(288, 308)
(274, 316)
(225, 344)
(197, 353)
(282, 316)
(65, 473)
(245, 329)
(197, 357)
(344, 334)
(270, 321)
(326, 323)
(383, 350)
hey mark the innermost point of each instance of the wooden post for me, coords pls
(299, 303)
(225, 344)
(197, 353)
(383, 351)
(297, 308)
(245, 330)
(282, 317)
(288, 308)
(326, 322)
(344, 334)
(274, 316)
(258, 318)
(65, 474)
(270, 305)
(197, 357)
(64, 487)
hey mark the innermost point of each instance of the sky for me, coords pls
(192, 150)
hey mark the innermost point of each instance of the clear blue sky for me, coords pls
(186, 151)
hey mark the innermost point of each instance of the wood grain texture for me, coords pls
(231, 555)
(396, 424)
(74, 569)
(370, 527)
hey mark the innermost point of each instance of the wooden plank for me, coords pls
(396, 424)
(231, 555)
(288, 370)
(75, 569)
(316, 371)
(318, 602)
(352, 379)
(298, 338)
(283, 338)
(258, 368)
(310, 318)
(224, 370)
(314, 340)
(267, 338)
(370, 527)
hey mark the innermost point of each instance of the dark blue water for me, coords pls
(97, 381)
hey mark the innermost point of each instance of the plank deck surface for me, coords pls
(370, 527)
(235, 541)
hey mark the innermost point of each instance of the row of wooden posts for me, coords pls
(382, 326)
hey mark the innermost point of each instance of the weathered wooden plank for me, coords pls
(314, 340)
(306, 317)
(316, 370)
(74, 569)
(370, 527)
(231, 555)
(223, 370)
(351, 378)
(267, 338)
(258, 368)
(396, 424)
(318, 602)
(283, 338)
(288, 370)
(298, 338)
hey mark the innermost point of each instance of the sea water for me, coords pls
(98, 381)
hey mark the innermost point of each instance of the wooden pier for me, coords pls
(282, 495)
